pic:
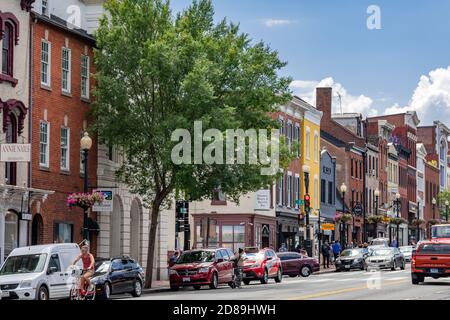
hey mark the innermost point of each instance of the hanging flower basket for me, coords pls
(375, 219)
(433, 222)
(417, 222)
(84, 200)
(339, 217)
(397, 221)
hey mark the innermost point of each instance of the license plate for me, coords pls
(347, 267)
(187, 279)
(5, 294)
(434, 270)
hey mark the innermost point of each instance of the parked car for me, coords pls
(431, 259)
(351, 259)
(38, 272)
(379, 242)
(262, 266)
(294, 264)
(407, 252)
(118, 275)
(385, 258)
(202, 267)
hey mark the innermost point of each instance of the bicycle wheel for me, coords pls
(74, 293)
(90, 293)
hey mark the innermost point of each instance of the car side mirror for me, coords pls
(52, 270)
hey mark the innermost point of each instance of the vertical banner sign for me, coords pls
(107, 204)
(262, 200)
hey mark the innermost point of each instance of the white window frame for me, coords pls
(316, 192)
(68, 81)
(45, 164)
(289, 190)
(308, 143)
(85, 78)
(296, 190)
(298, 139)
(280, 191)
(316, 146)
(289, 135)
(47, 63)
(66, 166)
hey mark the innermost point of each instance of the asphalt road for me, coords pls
(354, 285)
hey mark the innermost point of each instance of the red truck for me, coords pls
(430, 259)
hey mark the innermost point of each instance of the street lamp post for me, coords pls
(447, 203)
(86, 145)
(418, 218)
(377, 194)
(343, 189)
(397, 200)
(433, 202)
(306, 170)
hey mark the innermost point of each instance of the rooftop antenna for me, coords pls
(340, 101)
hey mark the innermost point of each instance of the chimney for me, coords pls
(323, 101)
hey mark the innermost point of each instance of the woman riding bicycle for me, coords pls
(88, 268)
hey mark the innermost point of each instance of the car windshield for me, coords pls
(33, 263)
(435, 249)
(406, 249)
(381, 252)
(254, 255)
(196, 256)
(379, 242)
(103, 268)
(350, 253)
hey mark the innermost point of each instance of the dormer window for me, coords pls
(45, 7)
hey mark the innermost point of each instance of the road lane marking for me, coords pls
(341, 291)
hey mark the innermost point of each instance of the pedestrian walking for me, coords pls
(394, 243)
(173, 259)
(336, 249)
(326, 255)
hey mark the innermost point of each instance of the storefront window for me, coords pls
(202, 231)
(233, 237)
(11, 232)
(63, 233)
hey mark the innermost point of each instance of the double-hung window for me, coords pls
(66, 71)
(85, 76)
(44, 139)
(65, 151)
(46, 49)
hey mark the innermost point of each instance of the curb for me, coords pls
(155, 290)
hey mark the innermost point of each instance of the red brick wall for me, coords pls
(58, 106)
(431, 190)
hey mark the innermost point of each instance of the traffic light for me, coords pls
(307, 200)
(182, 216)
(179, 210)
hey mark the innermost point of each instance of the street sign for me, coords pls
(357, 209)
(107, 204)
(262, 200)
(26, 216)
(328, 226)
(300, 202)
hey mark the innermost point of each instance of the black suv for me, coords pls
(116, 276)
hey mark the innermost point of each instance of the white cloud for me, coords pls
(350, 103)
(277, 22)
(431, 98)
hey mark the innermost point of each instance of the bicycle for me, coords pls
(76, 293)
(237, 278)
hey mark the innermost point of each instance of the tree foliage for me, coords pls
(157, 72)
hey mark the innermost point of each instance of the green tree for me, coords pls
(443, 197)
(157, 72)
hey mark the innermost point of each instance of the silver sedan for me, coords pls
(385, 258)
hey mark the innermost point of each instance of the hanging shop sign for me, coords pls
(15, 152)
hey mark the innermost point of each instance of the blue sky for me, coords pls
(327, 42)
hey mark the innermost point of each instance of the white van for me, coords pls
(38, 272)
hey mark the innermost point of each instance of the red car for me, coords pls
(431, 259)
(202, 267)
(295, 264)
(262, 265)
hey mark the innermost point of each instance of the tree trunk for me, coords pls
(151, 244)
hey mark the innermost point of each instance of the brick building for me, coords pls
(404, 136)
(348, 146)
(61, 87)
